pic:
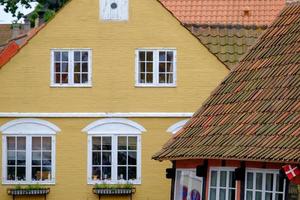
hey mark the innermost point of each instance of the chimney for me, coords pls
(15, 30)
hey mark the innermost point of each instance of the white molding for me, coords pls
(177, 126)
(100, 115)
(114, 126)
(29, 126)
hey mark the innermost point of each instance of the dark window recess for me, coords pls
(113, 5)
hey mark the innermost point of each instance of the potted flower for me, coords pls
(28, 190)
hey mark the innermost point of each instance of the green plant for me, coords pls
(116, 186)
(29, 187)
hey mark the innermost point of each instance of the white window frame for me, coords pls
(113, 128)
(263, 191)
(28, 128)
(71, 68)
(155, 68)
(219, 169)
(186, 170)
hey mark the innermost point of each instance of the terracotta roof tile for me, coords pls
(252, 12)
(254, 114)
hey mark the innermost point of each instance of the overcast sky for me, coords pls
(6, 18)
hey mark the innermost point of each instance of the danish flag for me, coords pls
(291, 171)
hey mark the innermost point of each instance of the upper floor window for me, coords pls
(116, 10)
(114, 151)
(156, 67)
(71, 67)
(262, 184)
(28, 152)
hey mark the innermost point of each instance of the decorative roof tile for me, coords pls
(254, 114)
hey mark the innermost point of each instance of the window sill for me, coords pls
(71, 86)
(155, 86)
(27, 183)
(136, 182)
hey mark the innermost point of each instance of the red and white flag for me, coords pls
(291, 171)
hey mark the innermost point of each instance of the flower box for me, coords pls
(23, 192)
(114, 191)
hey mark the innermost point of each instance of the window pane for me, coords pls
(65, 67)
(96, 158)
(222, 194)
(84, 67)
(57, 78)
(122, 158)
(21, 143)
(131, 173)
(36, 173)
(64, 78)
(122, 173)
(106, 143)
(46, 175)
(278, 197)
(162, 56)
(131, 158)
(21, 156)
(170, 56)
(57, 67)
(122, 143)
(279, 183)
(57, 56)
(132, 142)
(76, 78)
(143, 78)
(65, 56)
(162, 78)
(106, 158)
(258, 195)
(84, 56)
(249, 195)
(170, 78)
(249, 180)
(259, 181)
(47, 158)
(212, 194)
(11, 158)
(47, 143)
(96, 173)
(142, 56)
(21, 173)
(268, 196)
(223, 178)
(149, 67)
(77, 55)
(162, 67)
(96, 143)
(231, 180)
(149, 78)
(142, 67)
(169, 67)
(36, 143)
(11, 171)
(231, 195)
(106, 172)
(149, 56)
(77, 67)
(36, 158)
(269, 182)
(11, 142)
(84, 78)
(213, 178)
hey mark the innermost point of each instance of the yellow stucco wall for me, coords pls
(25, 87)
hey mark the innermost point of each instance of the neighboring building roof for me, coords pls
(254, 114)
(230, 12)
(227, 28)
(5, 33)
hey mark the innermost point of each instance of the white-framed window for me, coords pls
(222, 184)
(156, 67)
(28, 152)
(264, 184)
(114, 10)
(187, 185)
(114, 151)
(71, 67)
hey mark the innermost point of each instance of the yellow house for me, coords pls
(95, 94)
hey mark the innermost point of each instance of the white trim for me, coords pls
(100, 114)
(29, 126)
(114, 126)
(177, 126)
(155, 83)
(71, 83)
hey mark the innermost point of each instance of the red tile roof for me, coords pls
(254, 114)
(250, 12)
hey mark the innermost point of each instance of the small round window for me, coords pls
(113, 5)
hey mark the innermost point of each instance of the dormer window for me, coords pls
(114, 10)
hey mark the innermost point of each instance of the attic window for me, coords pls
(114, 10)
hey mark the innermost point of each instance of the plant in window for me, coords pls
(116, 189)
(36, 189)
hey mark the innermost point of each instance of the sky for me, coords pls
(6, 18)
